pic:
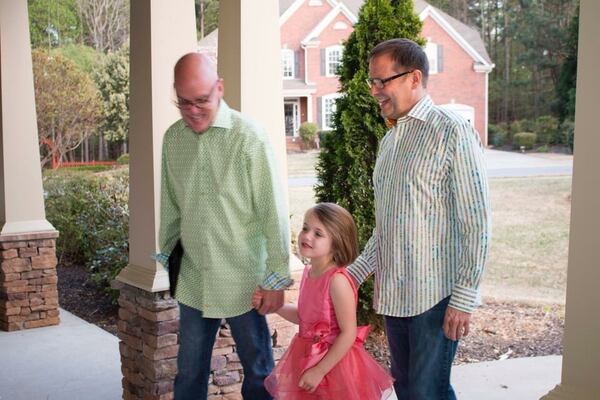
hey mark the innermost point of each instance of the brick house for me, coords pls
(312, 36)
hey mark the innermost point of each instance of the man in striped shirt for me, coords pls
(431, 239)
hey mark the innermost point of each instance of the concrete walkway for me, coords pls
(79, 361)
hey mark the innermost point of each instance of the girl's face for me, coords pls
(314, 241)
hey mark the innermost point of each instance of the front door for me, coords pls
(292, 117)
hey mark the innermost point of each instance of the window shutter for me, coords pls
(440, 57)
(323, 62)
(297, 56)
(319, 111)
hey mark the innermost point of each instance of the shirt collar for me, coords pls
(223, 117)
(419, 110)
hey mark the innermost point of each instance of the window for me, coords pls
(431, 49)
(333, 59)
(287, 63)
(329, 108)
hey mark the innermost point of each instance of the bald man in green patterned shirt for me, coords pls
(221, 198)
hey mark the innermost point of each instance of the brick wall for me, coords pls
(28, 281)
(458, 82)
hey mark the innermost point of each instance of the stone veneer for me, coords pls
(28, 281)
(148, 329)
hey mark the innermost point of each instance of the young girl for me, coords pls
(326, 359)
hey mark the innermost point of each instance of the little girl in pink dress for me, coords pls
(326, 359)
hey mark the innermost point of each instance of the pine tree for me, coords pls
(345, 166)
(567, 79)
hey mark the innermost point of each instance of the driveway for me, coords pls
(502, 164)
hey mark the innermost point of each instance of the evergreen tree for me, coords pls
(567, 79)
(345, 166)
(113, 82)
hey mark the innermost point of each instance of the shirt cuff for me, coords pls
(276, 281)
(162, 258)
(464, 299)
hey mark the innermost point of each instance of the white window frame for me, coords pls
(431, 50)
(330, 69)
(324, 100)
(288, 64)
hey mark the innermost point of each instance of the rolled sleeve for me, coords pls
(275, 281)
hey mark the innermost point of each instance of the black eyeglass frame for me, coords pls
(380, 83)
(199, 103)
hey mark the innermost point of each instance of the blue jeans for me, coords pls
(421, 355)
(196, 339)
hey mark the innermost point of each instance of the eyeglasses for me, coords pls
(380, 83)
(201, 102)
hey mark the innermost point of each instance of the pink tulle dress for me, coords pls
(356, 377)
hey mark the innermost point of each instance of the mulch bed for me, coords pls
(499, 330)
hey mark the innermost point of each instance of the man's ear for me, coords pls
(416, 78)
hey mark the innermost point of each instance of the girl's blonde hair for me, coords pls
(341, 228)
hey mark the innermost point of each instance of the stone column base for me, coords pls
(28, 281)
(148, 328)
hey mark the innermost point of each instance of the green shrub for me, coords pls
(123, 159)
(497, 136)
(521, 125)
(543, 149)
(524, 139)
(567, 132)
(308, 131)
(546, 129)
(91, 213)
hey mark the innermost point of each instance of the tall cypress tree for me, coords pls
(345, 166)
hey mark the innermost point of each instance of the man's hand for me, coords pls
(257, 298)
(272, 300)
(456, 323)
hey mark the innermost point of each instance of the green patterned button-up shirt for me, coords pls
(221, 196)
(432, 213)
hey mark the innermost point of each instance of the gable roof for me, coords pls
(324, 23)
(467, 37)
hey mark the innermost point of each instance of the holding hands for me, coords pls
(267, 301)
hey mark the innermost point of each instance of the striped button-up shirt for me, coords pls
(432, 212)
(221, 196)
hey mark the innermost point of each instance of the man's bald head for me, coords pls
(195, 65)
(199, 90)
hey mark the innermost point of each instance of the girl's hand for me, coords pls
(311, 379)
(257, 298)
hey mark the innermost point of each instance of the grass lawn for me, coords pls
(530, 216)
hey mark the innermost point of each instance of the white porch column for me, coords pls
(161, 32)
(21, 200)
(250, 65)
(581, 359)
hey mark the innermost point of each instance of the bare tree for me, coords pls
(106, 23)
